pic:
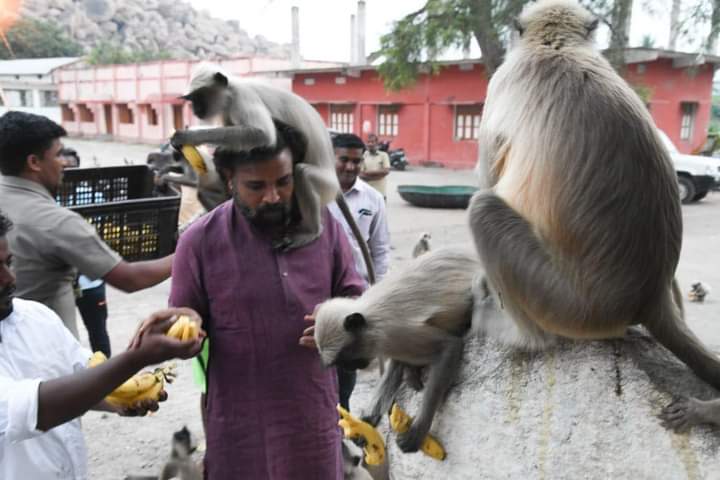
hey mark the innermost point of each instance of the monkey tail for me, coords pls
(669, 328)
(358, 236)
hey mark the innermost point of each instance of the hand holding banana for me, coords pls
(171, 333)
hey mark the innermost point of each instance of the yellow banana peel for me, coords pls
(353, 428)
(184, 329)
(194, 158)
(401, 421)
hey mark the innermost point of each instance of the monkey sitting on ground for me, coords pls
(180, 466)
(579, 226)
(247, 109)
(352, 462)
(698, 292)
(422, 245)
(416, 317)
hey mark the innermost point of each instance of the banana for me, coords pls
(400, 422)
(176, 330)
(184, 329)
(194, 158)
(353, 428)
(96, 359)
(141, 386)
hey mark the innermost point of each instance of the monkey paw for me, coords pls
(411, 440)
(180, 138)
(682, 414)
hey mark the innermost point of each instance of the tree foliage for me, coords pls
(107, 53)
(415, 42)
(29, 38)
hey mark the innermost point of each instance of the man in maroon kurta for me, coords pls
(271, 405)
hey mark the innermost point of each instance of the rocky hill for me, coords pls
(155, 25)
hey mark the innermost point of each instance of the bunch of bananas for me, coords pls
(374, 445)
(400, 422)
(184, 329)
(141, 386)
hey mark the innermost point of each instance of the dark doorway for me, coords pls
(108, 119)
(178, 117)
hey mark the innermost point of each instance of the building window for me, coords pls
(125, 114)
(151, 114)
(19, 98)
(467, 122)
(50, 98)
(387, 121)
(68, 115)
(687, 124)
(342, 118)
(86, 115)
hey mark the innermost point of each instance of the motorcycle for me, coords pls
(398, 160)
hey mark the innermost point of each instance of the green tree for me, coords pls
(414, 43)
(29, 38)
(108, 53)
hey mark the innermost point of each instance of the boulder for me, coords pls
(578, 410)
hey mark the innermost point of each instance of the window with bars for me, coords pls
(342, 118)
(387, 121)
(687, 124)
(467, 122)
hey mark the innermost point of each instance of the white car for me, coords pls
(697, 175)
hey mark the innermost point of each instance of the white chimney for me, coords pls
(295, 49)
(361, 59)
(353, 40)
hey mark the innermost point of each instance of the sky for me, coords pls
(325, 24)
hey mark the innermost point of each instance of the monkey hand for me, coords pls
(180, 138)
(374, 447)
(413, 437)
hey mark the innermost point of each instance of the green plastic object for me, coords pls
(447, 196)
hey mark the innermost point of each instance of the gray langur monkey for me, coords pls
(422, 245)
(246, 109)
(416, 316)
(180, 466)
(352, 462)
(579, 225)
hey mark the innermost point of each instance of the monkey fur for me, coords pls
(416, 317)
(578, 224)
(247, 109)
(352, 462)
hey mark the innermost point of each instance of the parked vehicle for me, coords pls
(398, 160)
(697, 175)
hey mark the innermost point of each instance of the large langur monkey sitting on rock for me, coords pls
(246, 109)
(579, 225)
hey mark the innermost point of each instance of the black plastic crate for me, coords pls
(119, 202)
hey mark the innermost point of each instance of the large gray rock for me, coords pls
(154, 24)
(585, 410)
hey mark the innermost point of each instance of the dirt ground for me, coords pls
(121, 446)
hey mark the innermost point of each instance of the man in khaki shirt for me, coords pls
(52, 243)
(376, 166)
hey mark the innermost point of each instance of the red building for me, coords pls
(436, 120)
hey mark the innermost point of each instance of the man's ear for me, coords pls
(32, 163)
(220, 79)
(354, 322)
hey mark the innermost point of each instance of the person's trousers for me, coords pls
(346, 383)
(93, 309)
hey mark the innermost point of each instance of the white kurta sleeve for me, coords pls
(18, 409)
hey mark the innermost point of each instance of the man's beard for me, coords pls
(6, 296)
(270, 217)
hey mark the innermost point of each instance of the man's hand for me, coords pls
(152, 343)
(308, 336)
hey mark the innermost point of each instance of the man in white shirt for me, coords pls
(365, 203)
(376, 167)
(368, 209)
(45, 386)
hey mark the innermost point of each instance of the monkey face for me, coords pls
(206, 101)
